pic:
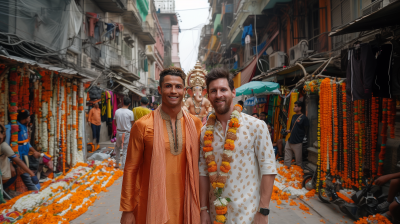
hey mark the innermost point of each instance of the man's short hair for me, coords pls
(144, 100)
(255, 114)
(263, 113)
(175, 71)
(241, 103)
(127, 101)
(299, 104)
(219, 73)
(23, 114)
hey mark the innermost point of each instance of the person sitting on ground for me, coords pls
(276, 145)
(255, 115)
(8, 170)
(25, 149)
(141, 110)
(298, 129)
(392, 205)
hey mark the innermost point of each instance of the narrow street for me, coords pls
(106, 211)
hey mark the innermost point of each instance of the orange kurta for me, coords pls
(135, 185)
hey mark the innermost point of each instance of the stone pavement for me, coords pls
(106, 211)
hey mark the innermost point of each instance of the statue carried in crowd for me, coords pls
(197, 104)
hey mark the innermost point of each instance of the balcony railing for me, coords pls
(319, 43)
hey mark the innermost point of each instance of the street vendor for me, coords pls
(24, 147)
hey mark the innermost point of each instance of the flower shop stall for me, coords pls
(56, 103)
(352, 135)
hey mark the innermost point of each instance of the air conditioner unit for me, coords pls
(277, 60)
(374, 6)
(71, 58)
(298, 51)
(86, 61)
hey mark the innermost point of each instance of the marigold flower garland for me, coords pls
(345, 175)
(335, 131)
(13, 108)
(218, 179)
(374, 134)
(384, 135)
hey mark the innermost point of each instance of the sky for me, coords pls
(191, 22)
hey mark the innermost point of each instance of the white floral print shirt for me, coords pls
(253, 157)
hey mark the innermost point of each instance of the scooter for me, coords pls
(365, 200)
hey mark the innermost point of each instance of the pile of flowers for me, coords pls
(289, 180)
(312, 87)
(66, 197)
(372, 219)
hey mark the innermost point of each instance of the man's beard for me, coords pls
(224, 109)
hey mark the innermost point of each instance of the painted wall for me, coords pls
(175, 46)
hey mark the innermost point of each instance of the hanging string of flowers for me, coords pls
(3, 93)
(319, 149)
(335, 130)
(326, 127)
(383, 135)
(74, 111)
(392, 116)
(345, 174)
(80, 116)
(24, 86)
(218, 179)
(374, 133)
(13, 108)
(69, 121)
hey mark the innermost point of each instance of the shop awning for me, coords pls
(32, 62)
(129, 87)
(385, 17)
(258, 87)
(249, 70)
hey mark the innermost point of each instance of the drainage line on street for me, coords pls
(315, 210)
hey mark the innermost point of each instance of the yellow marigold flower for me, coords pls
(229, 141)
(220, 185)
(212, 116)
(225, 164)
(208, 133)
(207, 143)
(212, 163)
(220, 218)
(235, 120)
(233, 130)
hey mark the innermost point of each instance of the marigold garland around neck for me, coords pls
(218, 179)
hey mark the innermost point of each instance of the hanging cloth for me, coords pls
(109, 107)
(93, 18)
(115, 107)
(103, 107)
(248, 30)
(110, 29)
(381, 87)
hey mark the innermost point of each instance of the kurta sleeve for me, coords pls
(264, 150)
(133, 162)
(90, 115)
(202, 163)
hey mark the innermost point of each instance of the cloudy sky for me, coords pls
(191, 23)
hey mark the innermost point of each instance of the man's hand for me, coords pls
(205, 217)
(260, 219)
(128, 218)
(13, 171)
(382, 180)
(287, 131)
(36, 154)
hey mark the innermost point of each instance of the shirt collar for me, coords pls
(166, 117)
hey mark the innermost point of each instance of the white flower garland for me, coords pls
(2, 96)
(36, 115)
(74, 146)
(39, 119)
(69, 123)
(6, 99)
(51, 118)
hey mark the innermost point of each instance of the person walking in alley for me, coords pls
(298, 130)
(94, 120)
(236, 156)
(161, 175)
(142, 110)
(124, 119)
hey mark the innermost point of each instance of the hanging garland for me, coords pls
(335, 130)
(392, 116)
(218, 179)
(73, 124)
(13, 108)
(80, 116)
(383, 135)
(345, 174)
(319, 148)
(326, 127)
(3, 93)
(374, 133)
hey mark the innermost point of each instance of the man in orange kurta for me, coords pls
(161, 176)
